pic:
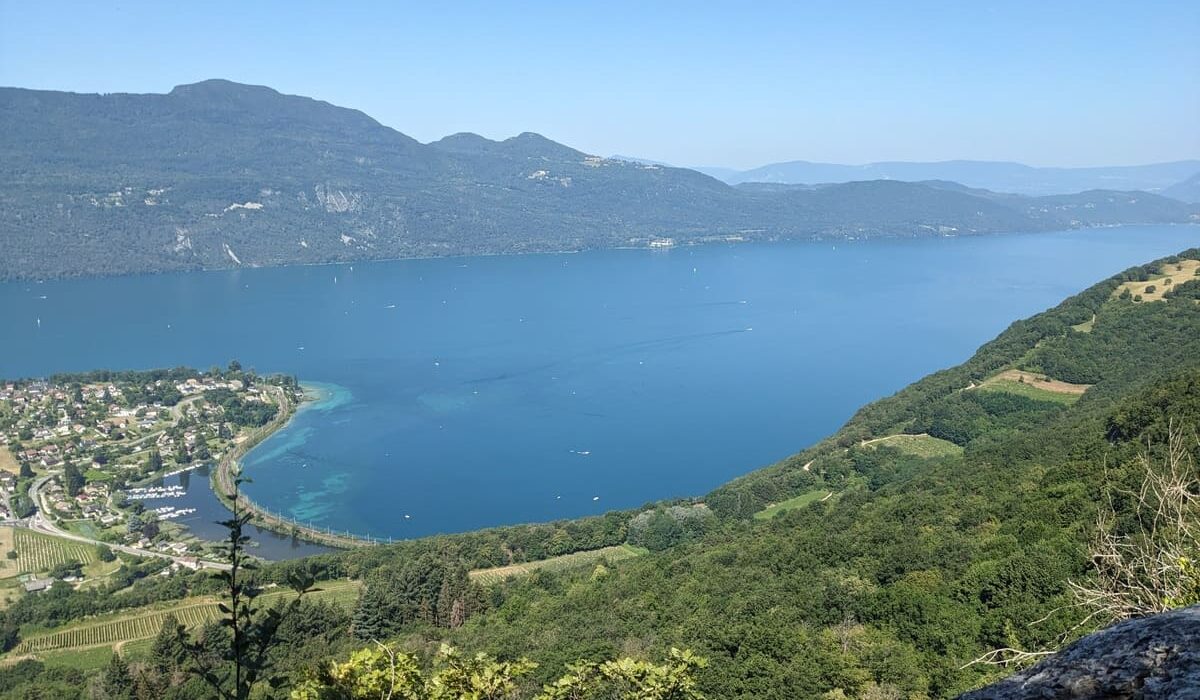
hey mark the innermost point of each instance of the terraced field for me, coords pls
(37, 552)
(118, 630)
(144, 623)
(488, 577)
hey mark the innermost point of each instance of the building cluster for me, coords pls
(84, 442)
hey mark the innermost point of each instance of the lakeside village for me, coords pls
(86, 454)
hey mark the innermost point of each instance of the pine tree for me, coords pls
(248, 628)
(365, 623)
(445, 602)
(117, 682)
(169, 652)
(73, 479)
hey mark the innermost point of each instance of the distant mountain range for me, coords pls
(219, 174)
(1186, 191)
(998, 176)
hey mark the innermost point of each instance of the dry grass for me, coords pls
(1039, 381)
(1152, 569)
(8, 463)
(8, 567)
(1182, 271)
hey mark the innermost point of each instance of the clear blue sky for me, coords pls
(693, 83)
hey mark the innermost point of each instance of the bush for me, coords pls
(65, 569)
(662, 528)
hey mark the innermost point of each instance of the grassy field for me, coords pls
(1086, 326)
(98, 572)
(8, 463)
(86, 528)
(566, 561)
(1183, 271)
(143, 623)
(137, 649)
(82, 659)
(1034, 386)
(922, 445)
(37, 552)
(6, 546)
(791, 504)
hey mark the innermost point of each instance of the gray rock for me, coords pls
(1147, 658)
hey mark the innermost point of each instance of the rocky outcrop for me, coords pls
(1151, 657)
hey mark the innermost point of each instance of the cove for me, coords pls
(468, 392)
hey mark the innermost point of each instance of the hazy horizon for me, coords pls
(717, 86)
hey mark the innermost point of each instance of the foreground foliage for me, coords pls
(384, 672)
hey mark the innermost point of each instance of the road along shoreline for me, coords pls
(229, 466)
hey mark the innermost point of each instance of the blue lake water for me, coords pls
(470, 392)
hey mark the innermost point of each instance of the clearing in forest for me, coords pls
(565, 561)
(1154, 288)
(1035, 386)
(1086, 326)
(921, 445)
(792, 503)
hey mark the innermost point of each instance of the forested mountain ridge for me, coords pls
(868, 565)
(218, 174)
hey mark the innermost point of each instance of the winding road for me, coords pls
(40, 523)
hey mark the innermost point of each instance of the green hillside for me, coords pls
(938, 547)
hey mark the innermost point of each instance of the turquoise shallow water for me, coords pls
(470, 392)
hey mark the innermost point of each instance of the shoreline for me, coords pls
(221, 482)
(568, 251)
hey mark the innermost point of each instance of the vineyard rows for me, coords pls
(140, 627)
(147, 624)
(37, 552)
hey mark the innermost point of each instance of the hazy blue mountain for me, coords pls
(1186, 191)
(643, 161)
(730, 175)
(219, 174)
(998, 176)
